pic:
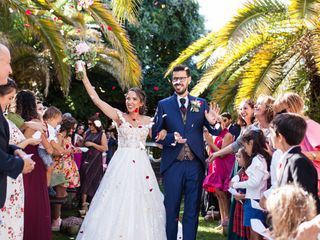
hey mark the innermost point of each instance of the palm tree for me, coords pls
(37, 32)
(266, 48)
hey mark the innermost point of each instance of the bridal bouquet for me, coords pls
(79, 54)
(84, 4)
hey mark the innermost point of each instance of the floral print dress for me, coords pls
(12, 214)
(68, 166)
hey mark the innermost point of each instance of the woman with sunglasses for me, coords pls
(128, 203)
(91, 170)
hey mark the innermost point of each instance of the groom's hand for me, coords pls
(213, 115)
(179, 139)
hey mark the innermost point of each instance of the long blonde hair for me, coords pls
(289, 206)
(291, 102)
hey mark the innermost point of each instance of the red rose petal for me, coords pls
(156, 88)
(136, 110)
(109, 28)
(28, 12)
(147, 177)
(139, 126)
(113, 88)
(134, 161)
(26, 25)
(150, 189)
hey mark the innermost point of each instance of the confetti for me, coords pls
(28, 12)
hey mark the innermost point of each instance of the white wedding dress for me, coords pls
(128, 204)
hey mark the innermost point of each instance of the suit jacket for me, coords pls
(168, 116)
(10, 165)
(297, 168)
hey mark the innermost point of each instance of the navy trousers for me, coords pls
(183, 178)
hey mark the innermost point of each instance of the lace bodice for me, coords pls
(130, 136)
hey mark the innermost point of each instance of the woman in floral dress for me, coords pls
(65, 164)
(11, 215)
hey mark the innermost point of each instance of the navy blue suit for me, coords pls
(10, 165)
(182, 176)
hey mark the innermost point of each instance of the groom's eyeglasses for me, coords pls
(180, 79)
(90, 123)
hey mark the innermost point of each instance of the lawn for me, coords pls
(205, 230)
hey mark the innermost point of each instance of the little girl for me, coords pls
(254, 143)
(244, 162)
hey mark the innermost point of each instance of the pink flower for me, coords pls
(82, 47)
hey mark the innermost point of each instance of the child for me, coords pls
(254, 143)
(244, 162)
(289, 206)
(52, 117)
(287, 132)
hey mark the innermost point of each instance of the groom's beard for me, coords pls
(181, 91)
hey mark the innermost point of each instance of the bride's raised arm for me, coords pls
(108, 110)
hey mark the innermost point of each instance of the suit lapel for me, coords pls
(286, 161)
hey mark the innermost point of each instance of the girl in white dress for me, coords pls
(128, 204)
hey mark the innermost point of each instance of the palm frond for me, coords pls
(315, 47)
(241, 50)
(125, 10)
(303, 9)
(225, 92)
(194, 48)
(131, 74)
(247, 18)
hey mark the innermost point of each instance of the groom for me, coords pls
(183, 157)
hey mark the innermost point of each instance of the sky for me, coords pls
(218, 12)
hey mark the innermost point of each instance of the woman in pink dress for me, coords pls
(221, 172)
(310, 145)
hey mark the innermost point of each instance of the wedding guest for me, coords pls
(222, 167)
(112, 145)
(51, 117)
(239, 231)
(310, 145)
(77, 141)
(12, 213)
(66, 165)
(91, 170)
(11, 157)
(289, 206)
(287, 132)
(37, 221)
(254, 143)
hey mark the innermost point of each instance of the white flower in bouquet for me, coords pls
(84, 4)
(79, 54)
(82, 47)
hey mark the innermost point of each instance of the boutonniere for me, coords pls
(195, 105)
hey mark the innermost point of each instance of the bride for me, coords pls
(128, 204)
